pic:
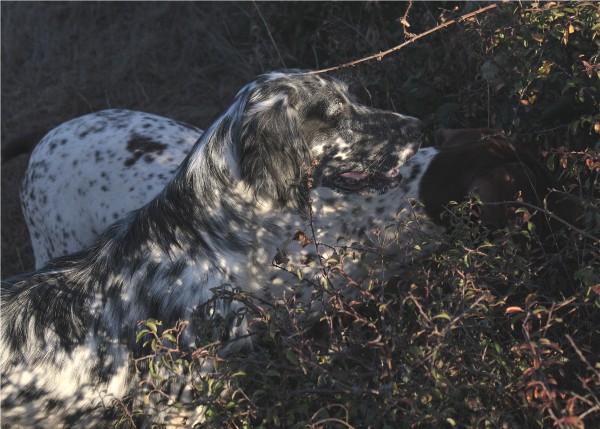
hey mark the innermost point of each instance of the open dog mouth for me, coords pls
(362, 182)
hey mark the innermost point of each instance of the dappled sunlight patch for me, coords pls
(464, 335)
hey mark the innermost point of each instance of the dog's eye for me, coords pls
(336, 109)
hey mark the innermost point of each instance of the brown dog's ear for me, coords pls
(509, 182)
(446, 137)
(517, 182)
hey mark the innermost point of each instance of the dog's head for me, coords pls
(504, 176)
(300, 130)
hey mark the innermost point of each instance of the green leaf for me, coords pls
(141, 334)
(442, 315)
(272, 373)
(153, 325)
(169, 337)
(153, 369)
(292, 356)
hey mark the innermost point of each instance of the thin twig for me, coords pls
(332, 420)
(527, 85)
(380, 55)
(581, 356)
(590, 411)
(269, 33)
(547, 213)
(404, 21)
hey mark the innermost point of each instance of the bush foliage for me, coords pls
(491, 329)
(495, 329)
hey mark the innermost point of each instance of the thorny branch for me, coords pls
(380, 55)
(549, 214)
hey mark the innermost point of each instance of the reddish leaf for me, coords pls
(511, 310)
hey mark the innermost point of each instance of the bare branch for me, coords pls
(380, 55)
(547, 213)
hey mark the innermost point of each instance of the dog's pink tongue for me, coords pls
(354, 175)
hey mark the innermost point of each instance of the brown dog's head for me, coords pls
(485, 163)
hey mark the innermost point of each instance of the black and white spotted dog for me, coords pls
(294, 152)
(92, 170)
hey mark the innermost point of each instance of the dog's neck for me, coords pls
(197, 231)
(212, 221)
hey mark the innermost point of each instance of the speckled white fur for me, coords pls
(232, 208)
(88, 172)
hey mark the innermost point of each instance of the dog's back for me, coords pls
(92, 170)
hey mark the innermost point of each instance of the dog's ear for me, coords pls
(447, 137)
(274, 156)
(508, 182)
